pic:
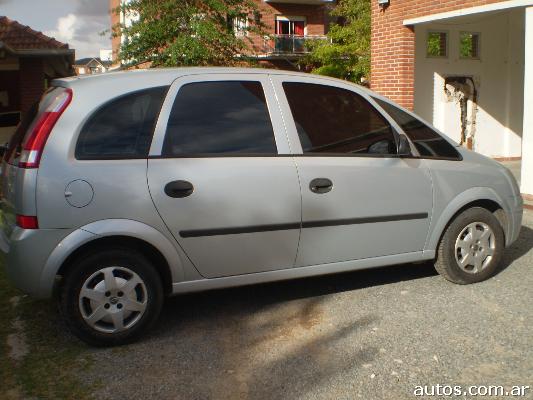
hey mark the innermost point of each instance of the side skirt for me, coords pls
(299, 272)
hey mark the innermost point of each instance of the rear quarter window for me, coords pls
(123, 127)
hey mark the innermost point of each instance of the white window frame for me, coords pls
(447, 33)
(478, 57)
(240, 26)
(291, 18)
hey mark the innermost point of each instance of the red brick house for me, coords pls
(465, 66)
(29, 60)
(288, 25)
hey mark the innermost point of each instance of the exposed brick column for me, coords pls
(31, 81)
(115, 20)
(393, 54)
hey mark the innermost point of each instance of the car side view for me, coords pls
(124, 188)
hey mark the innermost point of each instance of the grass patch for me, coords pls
(54, 361)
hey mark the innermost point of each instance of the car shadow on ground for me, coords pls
(518, 249)
(239, 329)
(255, 297)
(258, 339)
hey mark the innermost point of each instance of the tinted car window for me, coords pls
(219, 118)
(335, 120)
(122, 128)
(428, 142)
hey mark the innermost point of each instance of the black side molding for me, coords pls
(238, 230)
(364, 220)
(297, 225)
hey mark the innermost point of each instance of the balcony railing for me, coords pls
(290, 44)
(307, 2)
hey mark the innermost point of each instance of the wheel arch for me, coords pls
(124, 233)
(129, 242)
(475, 197)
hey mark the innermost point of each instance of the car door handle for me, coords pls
(179, 189)
(321, 185)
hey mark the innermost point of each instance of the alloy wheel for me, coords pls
(113, 299)
(474, 247)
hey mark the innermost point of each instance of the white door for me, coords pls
(359, 199)
(221, 177)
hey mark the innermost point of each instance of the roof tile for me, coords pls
(22, 37)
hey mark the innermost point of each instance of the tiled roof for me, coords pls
(22, 37)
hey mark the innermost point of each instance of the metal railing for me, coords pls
(290, 44)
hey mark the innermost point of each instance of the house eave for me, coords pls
(503, 5)
(44, 52)
(36, 52)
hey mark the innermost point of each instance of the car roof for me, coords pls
(165, 76)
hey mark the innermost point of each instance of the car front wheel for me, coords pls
(111, 297)
(471, 248)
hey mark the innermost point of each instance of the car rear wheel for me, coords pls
(471, 248)
(111, 297)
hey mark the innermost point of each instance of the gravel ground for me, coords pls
(372, 334)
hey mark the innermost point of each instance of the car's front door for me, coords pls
(359, 199)
(218, 176)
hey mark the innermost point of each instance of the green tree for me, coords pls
(185, 32)
(347, 53)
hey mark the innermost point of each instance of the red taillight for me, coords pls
(32, 149)
(27, 222)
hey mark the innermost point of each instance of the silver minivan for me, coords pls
(123, 188)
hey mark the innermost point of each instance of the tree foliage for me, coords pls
(184, 32)
(347, 53)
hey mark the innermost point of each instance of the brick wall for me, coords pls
(115, 19)
(393, 44)
(31, 81)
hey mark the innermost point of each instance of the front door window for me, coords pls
(332, 120)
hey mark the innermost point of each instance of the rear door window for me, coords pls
(428, 142)
(122, 128)
(337, 121)
(219, 118)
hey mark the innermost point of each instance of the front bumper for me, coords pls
(26, 253)
(515, 220)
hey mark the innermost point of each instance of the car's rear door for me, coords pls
(359, 198)
(221, 175)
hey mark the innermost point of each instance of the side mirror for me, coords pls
(404, 148)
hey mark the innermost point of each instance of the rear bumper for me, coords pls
(26, 254)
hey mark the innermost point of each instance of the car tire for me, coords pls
(111, 297)
(471, 248)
